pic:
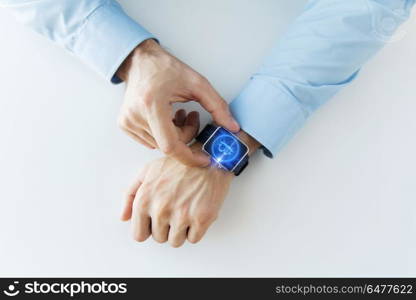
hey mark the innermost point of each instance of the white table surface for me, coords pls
(340, 200)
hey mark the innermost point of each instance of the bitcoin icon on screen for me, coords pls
(225, 148)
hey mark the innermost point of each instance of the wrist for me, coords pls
(144, 50)
(251, 142)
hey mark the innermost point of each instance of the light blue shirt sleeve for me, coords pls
(321, 53)
(97, 31)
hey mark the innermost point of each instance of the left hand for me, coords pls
(155, 80)
(173, 202)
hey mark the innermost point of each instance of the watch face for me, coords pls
(225, 148)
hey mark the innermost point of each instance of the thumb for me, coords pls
(213, 103)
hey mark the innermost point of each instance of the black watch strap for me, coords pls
(204, 135)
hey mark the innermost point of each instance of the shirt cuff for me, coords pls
(268, 113)
(108, 36)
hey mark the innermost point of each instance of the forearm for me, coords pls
(96, 31)
(251, 142)
(320, 54)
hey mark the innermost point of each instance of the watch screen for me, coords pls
(225, 149)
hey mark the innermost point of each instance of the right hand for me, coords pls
(173, 202)
(155, 80)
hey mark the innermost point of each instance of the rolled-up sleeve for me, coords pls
(99, 32)
(322, 52)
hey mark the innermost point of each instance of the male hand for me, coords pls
(155, 80)
(173, 202)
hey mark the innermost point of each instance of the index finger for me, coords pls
(213, 103)
(167, 138)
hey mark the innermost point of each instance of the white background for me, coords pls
(340, 199)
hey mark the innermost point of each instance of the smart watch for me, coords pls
(226, 149)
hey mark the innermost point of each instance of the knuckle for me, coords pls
(181, 220)
(223, 105)
(147, 99)
(131, 111)
(200, 80)
(181, 223)
(162, 212)
(203, 80)
(168, 61)
(144, 203)
(130, 195)
(143, 199)
(182, 214)
(161, 215)
(205, 218)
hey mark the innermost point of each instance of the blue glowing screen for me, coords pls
(225, 149)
